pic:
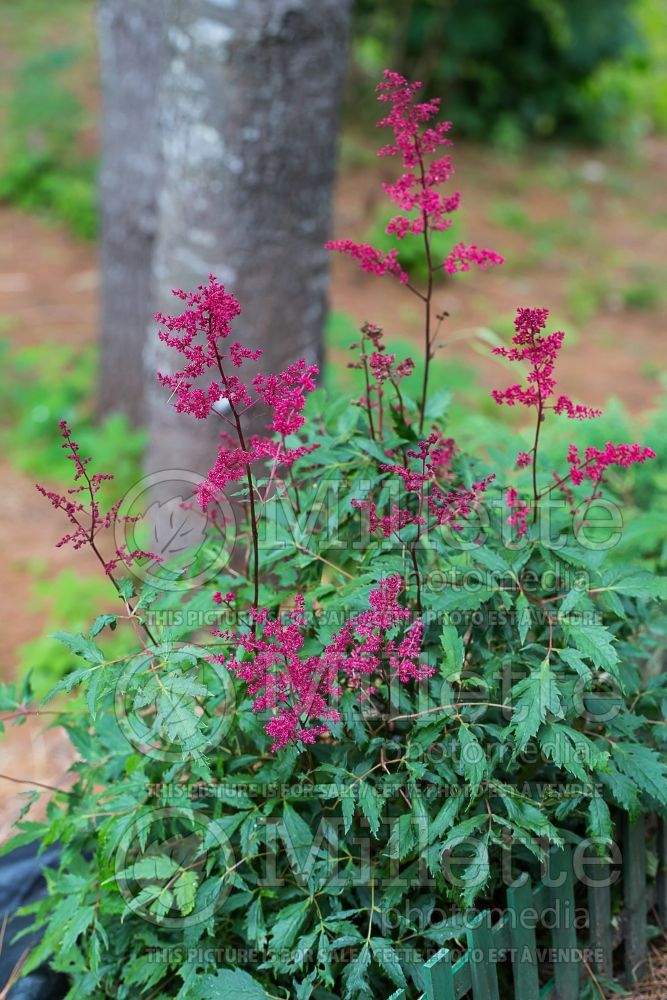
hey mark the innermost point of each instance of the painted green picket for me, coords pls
(599, 920)
(564, 933)
(438, 976)
(661, 878)
(524, 944)
(634, 890)
(483, 972)
(475, 975)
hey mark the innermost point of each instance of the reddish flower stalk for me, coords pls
(77, 512)
(300, 690)
(248, 473)
(199, 335)
(519, 511)
(378, 367)
(424, 210)
(541, 352)
(435, 507)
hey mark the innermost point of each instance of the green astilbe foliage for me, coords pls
(455, 784)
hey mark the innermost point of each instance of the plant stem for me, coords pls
(369, 408)
(82, 471)
(540, 412)
(427, 298)
(128, 607)
(251, 487)
(415, 565)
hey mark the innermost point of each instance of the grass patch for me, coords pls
(44, 164)
(42, 386)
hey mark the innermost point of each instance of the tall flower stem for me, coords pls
(540, 418)
(92, 531)
(417, 575)
(369, 407)
(251, 487)
(427, 298)
(415, 544)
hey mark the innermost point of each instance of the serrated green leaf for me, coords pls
(298, 839)
(445, 818)
(83, 647)
(599, 821)
(155, 867)
(185, 891)
(288, 923)
(572, 750)
(354, 976)
(645, 584)
(80, 922)
(574, 660)
(402, 837)
(473, 760)
(255, 924)
(645, 766)
(101, 622)
(348, 806)
(226, 983)
(370, 804)
(67, 683)
(536, 696)
(622, 789)
(596, 643)
(452, 645)
(523, 616)
(386, 957)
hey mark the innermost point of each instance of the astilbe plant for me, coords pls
(408, 677)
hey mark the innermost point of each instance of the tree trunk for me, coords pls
(251, 96)
(132, 43)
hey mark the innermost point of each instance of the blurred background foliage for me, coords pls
(593, 72)
(43, 167)
(39, 389)
(47, 119)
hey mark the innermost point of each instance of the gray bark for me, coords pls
(251, 97)
(132, 44)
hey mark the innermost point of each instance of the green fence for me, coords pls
(475, 974)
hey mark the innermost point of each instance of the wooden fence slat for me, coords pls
(462, 980)
(439, 977)
(661, 880)
(483, 972)
(500, 933)
(476, 971)
(564, 932)
(523, 943)
(599, 918)
(634, 885)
